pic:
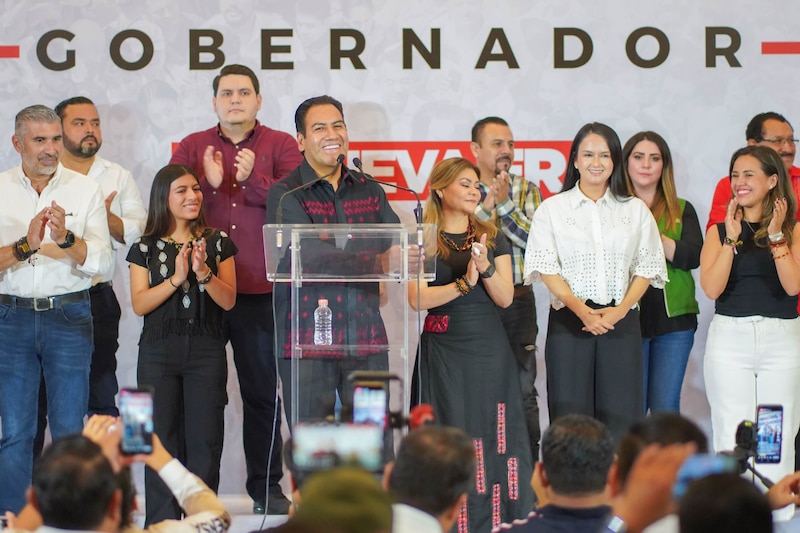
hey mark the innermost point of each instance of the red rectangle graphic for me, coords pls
(776, 48)
(9, 52)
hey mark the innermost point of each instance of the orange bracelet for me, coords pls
(784, 254)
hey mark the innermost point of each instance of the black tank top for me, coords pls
(753, 286)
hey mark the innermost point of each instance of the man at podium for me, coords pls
(322, 190)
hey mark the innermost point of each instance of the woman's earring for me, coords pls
(440, 194)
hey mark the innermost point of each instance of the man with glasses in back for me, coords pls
(768, 129)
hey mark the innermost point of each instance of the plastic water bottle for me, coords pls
(322, 323)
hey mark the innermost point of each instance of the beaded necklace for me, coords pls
(173, 242)
(467, 242)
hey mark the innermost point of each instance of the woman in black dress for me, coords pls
(466, 369)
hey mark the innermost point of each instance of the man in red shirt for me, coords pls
(237, 161)
(770, 129)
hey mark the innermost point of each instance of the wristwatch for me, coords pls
(22, 249)
(616, 524)
(69, 240)
(489, 272)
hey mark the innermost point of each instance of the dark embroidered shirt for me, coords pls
(355, 306)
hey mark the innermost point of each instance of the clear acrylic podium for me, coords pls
(363, 271)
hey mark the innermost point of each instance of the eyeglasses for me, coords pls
(780, 142)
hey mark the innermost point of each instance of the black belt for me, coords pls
(45, 303)
(100, 286)
(522, 290)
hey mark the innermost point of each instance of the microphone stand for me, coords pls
(420, 239)
(417, 210)
(279, 210)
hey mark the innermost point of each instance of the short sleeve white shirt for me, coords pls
(596, 247)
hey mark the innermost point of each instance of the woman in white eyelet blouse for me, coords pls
(596, 247)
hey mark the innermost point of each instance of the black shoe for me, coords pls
(277, 504)
(258, 508)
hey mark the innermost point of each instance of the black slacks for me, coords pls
(250, 329)
(599, 376)
(188, 375)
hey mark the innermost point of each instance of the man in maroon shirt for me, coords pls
(237, 162)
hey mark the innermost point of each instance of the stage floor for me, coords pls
(241, 509)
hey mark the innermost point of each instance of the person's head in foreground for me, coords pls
(724, 503)
(344, 500)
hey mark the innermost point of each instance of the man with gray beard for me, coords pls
(53, 240)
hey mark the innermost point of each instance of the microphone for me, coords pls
(279, 210)
(417, 210)
(420, 415)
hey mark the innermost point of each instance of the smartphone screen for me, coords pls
(136, 411)
(321, 446)
(370, 404)
(769, 433)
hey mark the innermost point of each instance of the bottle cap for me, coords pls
(322, 302)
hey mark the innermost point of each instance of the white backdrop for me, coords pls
(701, 111)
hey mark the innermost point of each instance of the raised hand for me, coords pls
(489, 200)
(212, 166)
(109, 199)
(199, 256)
(778, 216)
(245, 161)
(501, 186)
(57, 222)
(182, 264)
(36, 229)
(733, 220)
(479, 254)
(472, 272)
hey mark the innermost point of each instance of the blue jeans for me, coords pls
(57, 343)
(664, 364)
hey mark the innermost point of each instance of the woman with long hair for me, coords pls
(596, 248)
(750, 264)
(466, 369)
(182, 280)
(668, 316)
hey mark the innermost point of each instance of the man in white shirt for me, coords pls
(429, 479)
(126, 219)
(53, 239)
